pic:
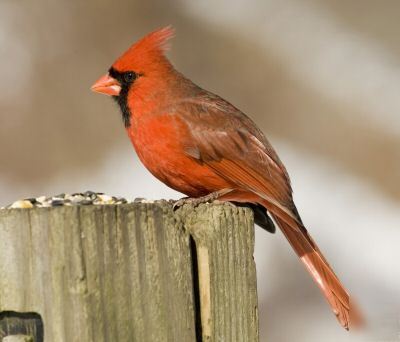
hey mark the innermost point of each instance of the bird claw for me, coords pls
(199, 200)
(180, 202)
(192, 201)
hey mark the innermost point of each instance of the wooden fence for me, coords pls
(128, 272)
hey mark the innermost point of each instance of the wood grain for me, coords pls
(130, 272)
(224, 236)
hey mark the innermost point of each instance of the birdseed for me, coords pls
(78, 198)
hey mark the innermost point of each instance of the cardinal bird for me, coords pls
(201, 145)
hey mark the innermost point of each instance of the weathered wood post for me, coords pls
(128, 272)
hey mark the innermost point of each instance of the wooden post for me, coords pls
(128, 272)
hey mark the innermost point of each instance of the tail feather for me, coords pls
(318, 267)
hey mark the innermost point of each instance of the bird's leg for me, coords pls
(198, 200)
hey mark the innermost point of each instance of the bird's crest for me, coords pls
(146, 49)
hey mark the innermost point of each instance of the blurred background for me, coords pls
(321, 78)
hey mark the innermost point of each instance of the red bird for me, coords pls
(199, 144)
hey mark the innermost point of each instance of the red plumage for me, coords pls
(197, 143)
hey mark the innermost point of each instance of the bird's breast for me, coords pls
(160, 142)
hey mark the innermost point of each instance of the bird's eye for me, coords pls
(129, 76)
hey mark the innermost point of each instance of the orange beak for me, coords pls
(107, 85)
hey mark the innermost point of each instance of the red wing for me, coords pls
(230, 143)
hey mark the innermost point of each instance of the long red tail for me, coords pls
(318, 267)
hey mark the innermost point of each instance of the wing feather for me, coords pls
(228, 142)
(231, 144)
